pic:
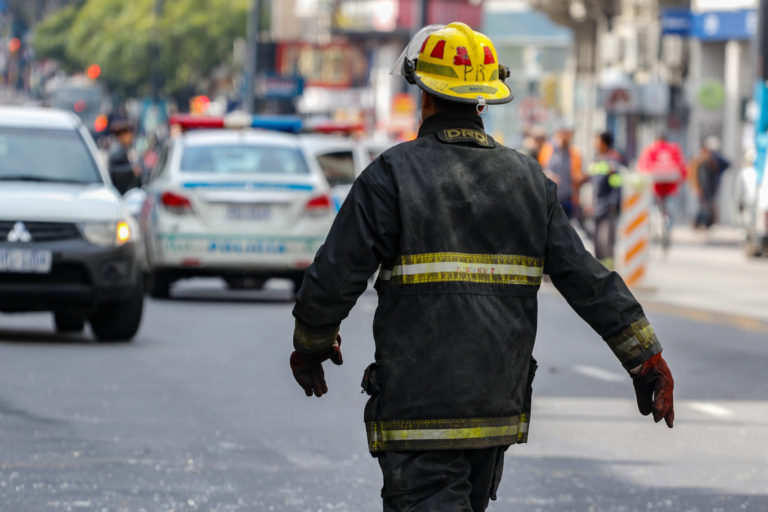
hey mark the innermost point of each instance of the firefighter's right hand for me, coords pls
(653, 388)
(308, 368)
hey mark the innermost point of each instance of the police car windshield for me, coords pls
(243, 159)
(33, 154)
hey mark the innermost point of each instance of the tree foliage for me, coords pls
(182, 45)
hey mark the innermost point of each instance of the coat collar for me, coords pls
(444, 120)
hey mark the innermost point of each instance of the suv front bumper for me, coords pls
(82, 277)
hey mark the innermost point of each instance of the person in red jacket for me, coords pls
(664, 161)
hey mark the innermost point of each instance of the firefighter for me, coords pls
(462, 230)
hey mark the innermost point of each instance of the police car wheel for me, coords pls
(158, 284)
(119, 321)
(68, 322)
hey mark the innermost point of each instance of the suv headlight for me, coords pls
(107, 234)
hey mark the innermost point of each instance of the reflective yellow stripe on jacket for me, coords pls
(446, 434)
(631, 343)
(463, 267)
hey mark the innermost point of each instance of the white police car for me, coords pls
(245, 205)
(342, 159)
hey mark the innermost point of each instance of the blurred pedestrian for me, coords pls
(561, 162)
(663, 161)
(709, 170)
(745, 191)
(533, 142)
(606, 185)
(124, 168)
(461, 229)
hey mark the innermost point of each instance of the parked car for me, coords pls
(757, 221)
(242, 204)
(342, 159)
(67, 243)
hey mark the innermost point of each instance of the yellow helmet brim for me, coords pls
(493, 91)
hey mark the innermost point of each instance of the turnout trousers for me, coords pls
(441, 480)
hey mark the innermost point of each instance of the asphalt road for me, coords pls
(200, 412)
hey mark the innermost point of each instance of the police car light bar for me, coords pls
(237, 120)
(193, 122)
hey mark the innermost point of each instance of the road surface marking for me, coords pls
(711, 409)
(599, 373)
(743, 322)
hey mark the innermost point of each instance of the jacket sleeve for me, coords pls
(598, 295)
(366, 231)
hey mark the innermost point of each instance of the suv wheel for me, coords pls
(159, 284)
(68, 322)
(119, 321)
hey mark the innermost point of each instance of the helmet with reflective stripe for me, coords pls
(458, 64)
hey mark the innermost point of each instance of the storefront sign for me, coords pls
(724, 25)
(675, 22)
(277, 86)
(333, 65)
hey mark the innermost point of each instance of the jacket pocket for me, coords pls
(369, 384)
(525, 413)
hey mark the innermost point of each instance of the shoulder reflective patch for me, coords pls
(458, 135)
(463, 267)
(445, 434)
(633, 342)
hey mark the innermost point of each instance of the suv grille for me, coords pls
(43, 231)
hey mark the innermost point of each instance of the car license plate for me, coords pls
(249, 212)
(24, 261)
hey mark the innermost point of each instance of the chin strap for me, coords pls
(482, 106)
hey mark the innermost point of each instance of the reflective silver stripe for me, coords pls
(447, 433)
(465, 268)
(507, 269)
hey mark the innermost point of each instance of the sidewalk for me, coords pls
(707, 271)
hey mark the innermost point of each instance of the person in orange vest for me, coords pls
(561, 162)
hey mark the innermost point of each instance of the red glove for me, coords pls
(653, 389)
(308, 368)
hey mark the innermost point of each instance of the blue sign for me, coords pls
(675, 22)
(273, 85)
(724, 25)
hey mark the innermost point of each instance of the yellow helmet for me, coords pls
(457, 64)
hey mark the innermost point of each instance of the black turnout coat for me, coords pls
(462, 230)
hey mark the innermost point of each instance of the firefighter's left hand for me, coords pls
(308, 368)
(653, 388)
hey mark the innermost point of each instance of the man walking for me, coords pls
(462, 229)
